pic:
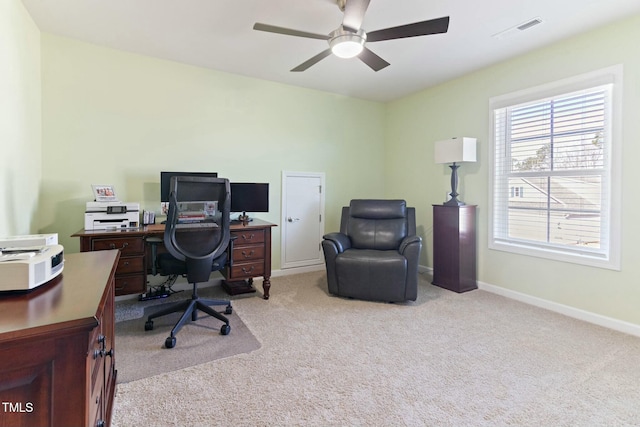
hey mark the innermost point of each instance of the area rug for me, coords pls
(141, 354)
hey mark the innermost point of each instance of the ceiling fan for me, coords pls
(348, 40)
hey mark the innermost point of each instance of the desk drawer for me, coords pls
(248, 252)
(130, 284)
(128, 265)
(127, 245)
(244, 270)
(248, 237)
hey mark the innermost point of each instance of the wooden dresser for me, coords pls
(57, 347)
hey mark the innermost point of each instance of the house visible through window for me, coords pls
(552, 172)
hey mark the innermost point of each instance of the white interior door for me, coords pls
(302, 218)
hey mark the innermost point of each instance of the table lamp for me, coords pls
(454, 151)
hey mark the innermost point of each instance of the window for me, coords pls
(555, 170)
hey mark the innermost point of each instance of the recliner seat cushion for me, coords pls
(366, 273)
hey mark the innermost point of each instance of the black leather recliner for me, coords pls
(375, 255)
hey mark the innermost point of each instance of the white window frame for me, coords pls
(609, 257)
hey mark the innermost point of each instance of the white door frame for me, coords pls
(283, 210)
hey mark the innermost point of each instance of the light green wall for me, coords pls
(116, 118)
(461, 108)
(20, 129)
(111, 117)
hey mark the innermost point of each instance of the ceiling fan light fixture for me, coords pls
(346, 44)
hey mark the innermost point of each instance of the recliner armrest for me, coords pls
(408, 241)
(341, 241)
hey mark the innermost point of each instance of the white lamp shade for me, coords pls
(456, 150)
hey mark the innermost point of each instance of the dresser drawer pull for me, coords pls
(248, 270)
(249, 237)
(124, 245)
(248, 255)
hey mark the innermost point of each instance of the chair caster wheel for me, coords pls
(225, 329)
(148, 325)
(228, 310)
(170, 342)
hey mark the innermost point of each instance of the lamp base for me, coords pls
(454, 187)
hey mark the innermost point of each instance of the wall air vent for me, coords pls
(518, 28)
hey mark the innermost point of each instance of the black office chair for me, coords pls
(196, 236)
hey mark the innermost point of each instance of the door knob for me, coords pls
(293, 219)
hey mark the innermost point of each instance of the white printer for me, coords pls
(23, 268)
(111, 215)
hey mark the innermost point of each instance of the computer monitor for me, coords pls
(165, 181)
(249, 197)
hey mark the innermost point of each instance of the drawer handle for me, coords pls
(126, 263)
(248, 270)
(248, 255)
(249, 237)
(124, 245)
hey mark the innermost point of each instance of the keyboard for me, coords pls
(196, 225)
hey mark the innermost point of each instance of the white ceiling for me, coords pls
(218, 34)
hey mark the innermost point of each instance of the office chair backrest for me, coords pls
(376, 224)
(197, 227)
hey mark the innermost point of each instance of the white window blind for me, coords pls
(552, 178)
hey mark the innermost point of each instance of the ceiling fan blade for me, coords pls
(288, 31)
(309, 62)
(354, 11)
(433, 26)
(372, 60)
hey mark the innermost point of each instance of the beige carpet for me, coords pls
(473, 359)
(141, 354)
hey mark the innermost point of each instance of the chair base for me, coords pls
(189, 309)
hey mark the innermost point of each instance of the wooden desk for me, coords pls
(57, 347)
(250, 258)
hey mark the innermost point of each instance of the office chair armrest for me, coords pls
(341, 241)
(408, 242)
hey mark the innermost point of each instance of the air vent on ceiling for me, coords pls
(529, 24)
(518, 28)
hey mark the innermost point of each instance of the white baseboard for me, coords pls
(297, 270)
(216, 279)
(576, 313)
